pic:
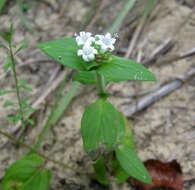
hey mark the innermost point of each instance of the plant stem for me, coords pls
(100, 84)
(16, 83)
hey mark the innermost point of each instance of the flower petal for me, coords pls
(91, 57)
(111, 47)
(85, 58)
(113, 40)
(95, 51)
(108, 35)
(80, 52)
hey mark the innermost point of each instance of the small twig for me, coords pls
(158, 94)
(139, 29)
(176, 57)
(134, 39)
(161, 49)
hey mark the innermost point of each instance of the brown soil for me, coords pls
(165, 130)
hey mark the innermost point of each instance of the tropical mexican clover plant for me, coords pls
(105, 132)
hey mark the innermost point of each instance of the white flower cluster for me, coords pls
(94, 45)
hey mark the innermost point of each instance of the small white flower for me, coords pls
(106, 42)
(84, 37)
(88, 52)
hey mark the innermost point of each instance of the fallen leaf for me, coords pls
(167, 175)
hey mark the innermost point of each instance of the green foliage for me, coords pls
(64, 51)
(127, 138)
(119, 69)
(132, 164)
(24, 107)
(9, 64)
(120, 174)
(25, 44)
(100, 171)
(9, 104)
(101, 122)
(3, 45)
(102, 125)
(26, 174)
(2, 93)
(127, 7)
(87, 78)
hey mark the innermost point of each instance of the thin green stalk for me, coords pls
(127, 7)
(147, 10)
(100, 84)
(16, 83)
(41, 154)
(48, 122)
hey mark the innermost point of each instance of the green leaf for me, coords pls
(30, 121)
(2, 3)
(9, 63)
(26, 174)
(120, 69)
(86, 77)
(26, 88)
(101, 121)
(15, 119)
(8, 35)
(64, 51)
(9, 104)
(120, 174)
(100, 171)
(127, 139)
(25, 44)
(3, 45)
(23, 81)
(2, 93)
(132, 164)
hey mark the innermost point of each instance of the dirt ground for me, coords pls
(165, 130)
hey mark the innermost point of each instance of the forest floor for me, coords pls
(165, 130)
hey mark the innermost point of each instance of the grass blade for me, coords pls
(64, 103)
(127, 7)
(2, 3)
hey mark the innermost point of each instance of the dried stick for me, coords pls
(161, 49)
(158, 94)
(176, 57)
(139, 28)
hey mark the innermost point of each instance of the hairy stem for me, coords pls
(16, 83)
(100, 84)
